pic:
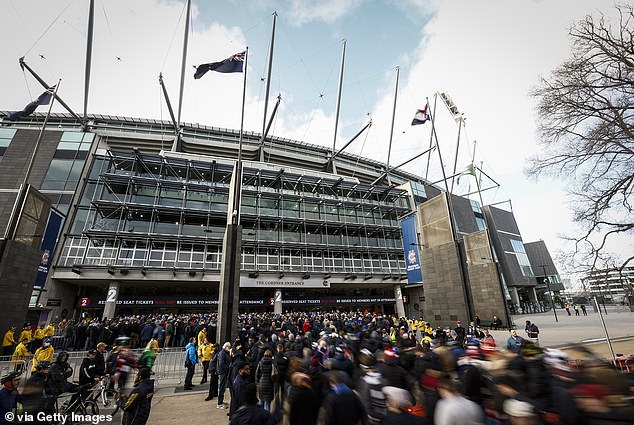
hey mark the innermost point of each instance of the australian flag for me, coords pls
(231, 64)
(43, 99)
(421, 116)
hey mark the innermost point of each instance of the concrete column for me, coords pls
(515, 299)
(229, 290)
(400, 307)
(111, 300)
(277, 301)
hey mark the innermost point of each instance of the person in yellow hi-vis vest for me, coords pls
(20, 355)
(201, 336)
(45, 352)
(38, 337)
(205, 351)
(8, 343)
(50, 330)
(26, 334)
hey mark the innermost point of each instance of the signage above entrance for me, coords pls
(273, 282)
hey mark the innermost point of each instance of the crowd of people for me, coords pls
(362, 367)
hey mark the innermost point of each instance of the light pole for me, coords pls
(552, 302)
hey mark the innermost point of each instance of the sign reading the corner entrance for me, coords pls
(274, 282)
(410, 245)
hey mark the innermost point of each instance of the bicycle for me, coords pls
(101, 392)
(77, 404)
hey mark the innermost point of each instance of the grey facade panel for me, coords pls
(463, 215)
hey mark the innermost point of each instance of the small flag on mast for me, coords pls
(469, 170)
(231, 64)
(43, 99)
(421, 116)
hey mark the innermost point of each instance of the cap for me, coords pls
(459, 322)
(389, 353)
(589, 390)
(398, 396)
(518, 409)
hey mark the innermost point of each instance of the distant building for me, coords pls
(610, 285)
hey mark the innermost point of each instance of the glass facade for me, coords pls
(522, 258)
(145, 210)
(6, 135)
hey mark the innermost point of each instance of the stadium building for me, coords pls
(138, 222)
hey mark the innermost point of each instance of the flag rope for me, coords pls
(48, 28)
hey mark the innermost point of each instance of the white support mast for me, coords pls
(339, 90)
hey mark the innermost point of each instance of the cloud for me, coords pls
(302, 12)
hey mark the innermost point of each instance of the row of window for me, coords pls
(103, 252)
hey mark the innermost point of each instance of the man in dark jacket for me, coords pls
(9, 396)
(136, 408)
(239, 386)
(223, 369)
(342, 406)
(251, 413)
(88, 368)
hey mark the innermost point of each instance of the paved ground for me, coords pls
(170, 408)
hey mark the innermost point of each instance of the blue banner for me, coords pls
(47, 248)
(410, 246)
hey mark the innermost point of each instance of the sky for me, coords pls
(486, 54)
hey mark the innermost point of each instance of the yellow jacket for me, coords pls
(50, 330)
(205, 352)
(39, 333)
(20, 353)
(42, 354)
(201, 337)
(26, 334)
(9, 339)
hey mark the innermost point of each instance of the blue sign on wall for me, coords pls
(410, 246)
(47, 248)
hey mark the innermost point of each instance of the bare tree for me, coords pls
(586, 129)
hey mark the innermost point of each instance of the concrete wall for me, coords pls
(444, 289)
(486, 292)
(18, 269)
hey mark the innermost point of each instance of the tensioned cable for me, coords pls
(49, 27)
(169, 47)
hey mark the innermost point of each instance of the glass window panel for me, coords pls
(57, 174)
(71, 136)
(143, 194)
(171, 197)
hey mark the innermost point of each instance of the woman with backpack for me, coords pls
(266, 375)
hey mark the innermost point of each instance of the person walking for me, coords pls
(266, 376)
(190, 363)
(223, 369)
(397, 401)
(341, 405)
(576, 307)
(303, 401)
(239, 386)
(251, 413)
(453, 408)
(213, 364)
(532, 331)
(9, 396)
(136, 408)
(583, 309)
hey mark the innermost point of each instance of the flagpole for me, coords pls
(39, 136)
(229, 287)
(431, 135)
(183, 61)
(268, 87)
(91, 19)
(389, 149)
(238, 186)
